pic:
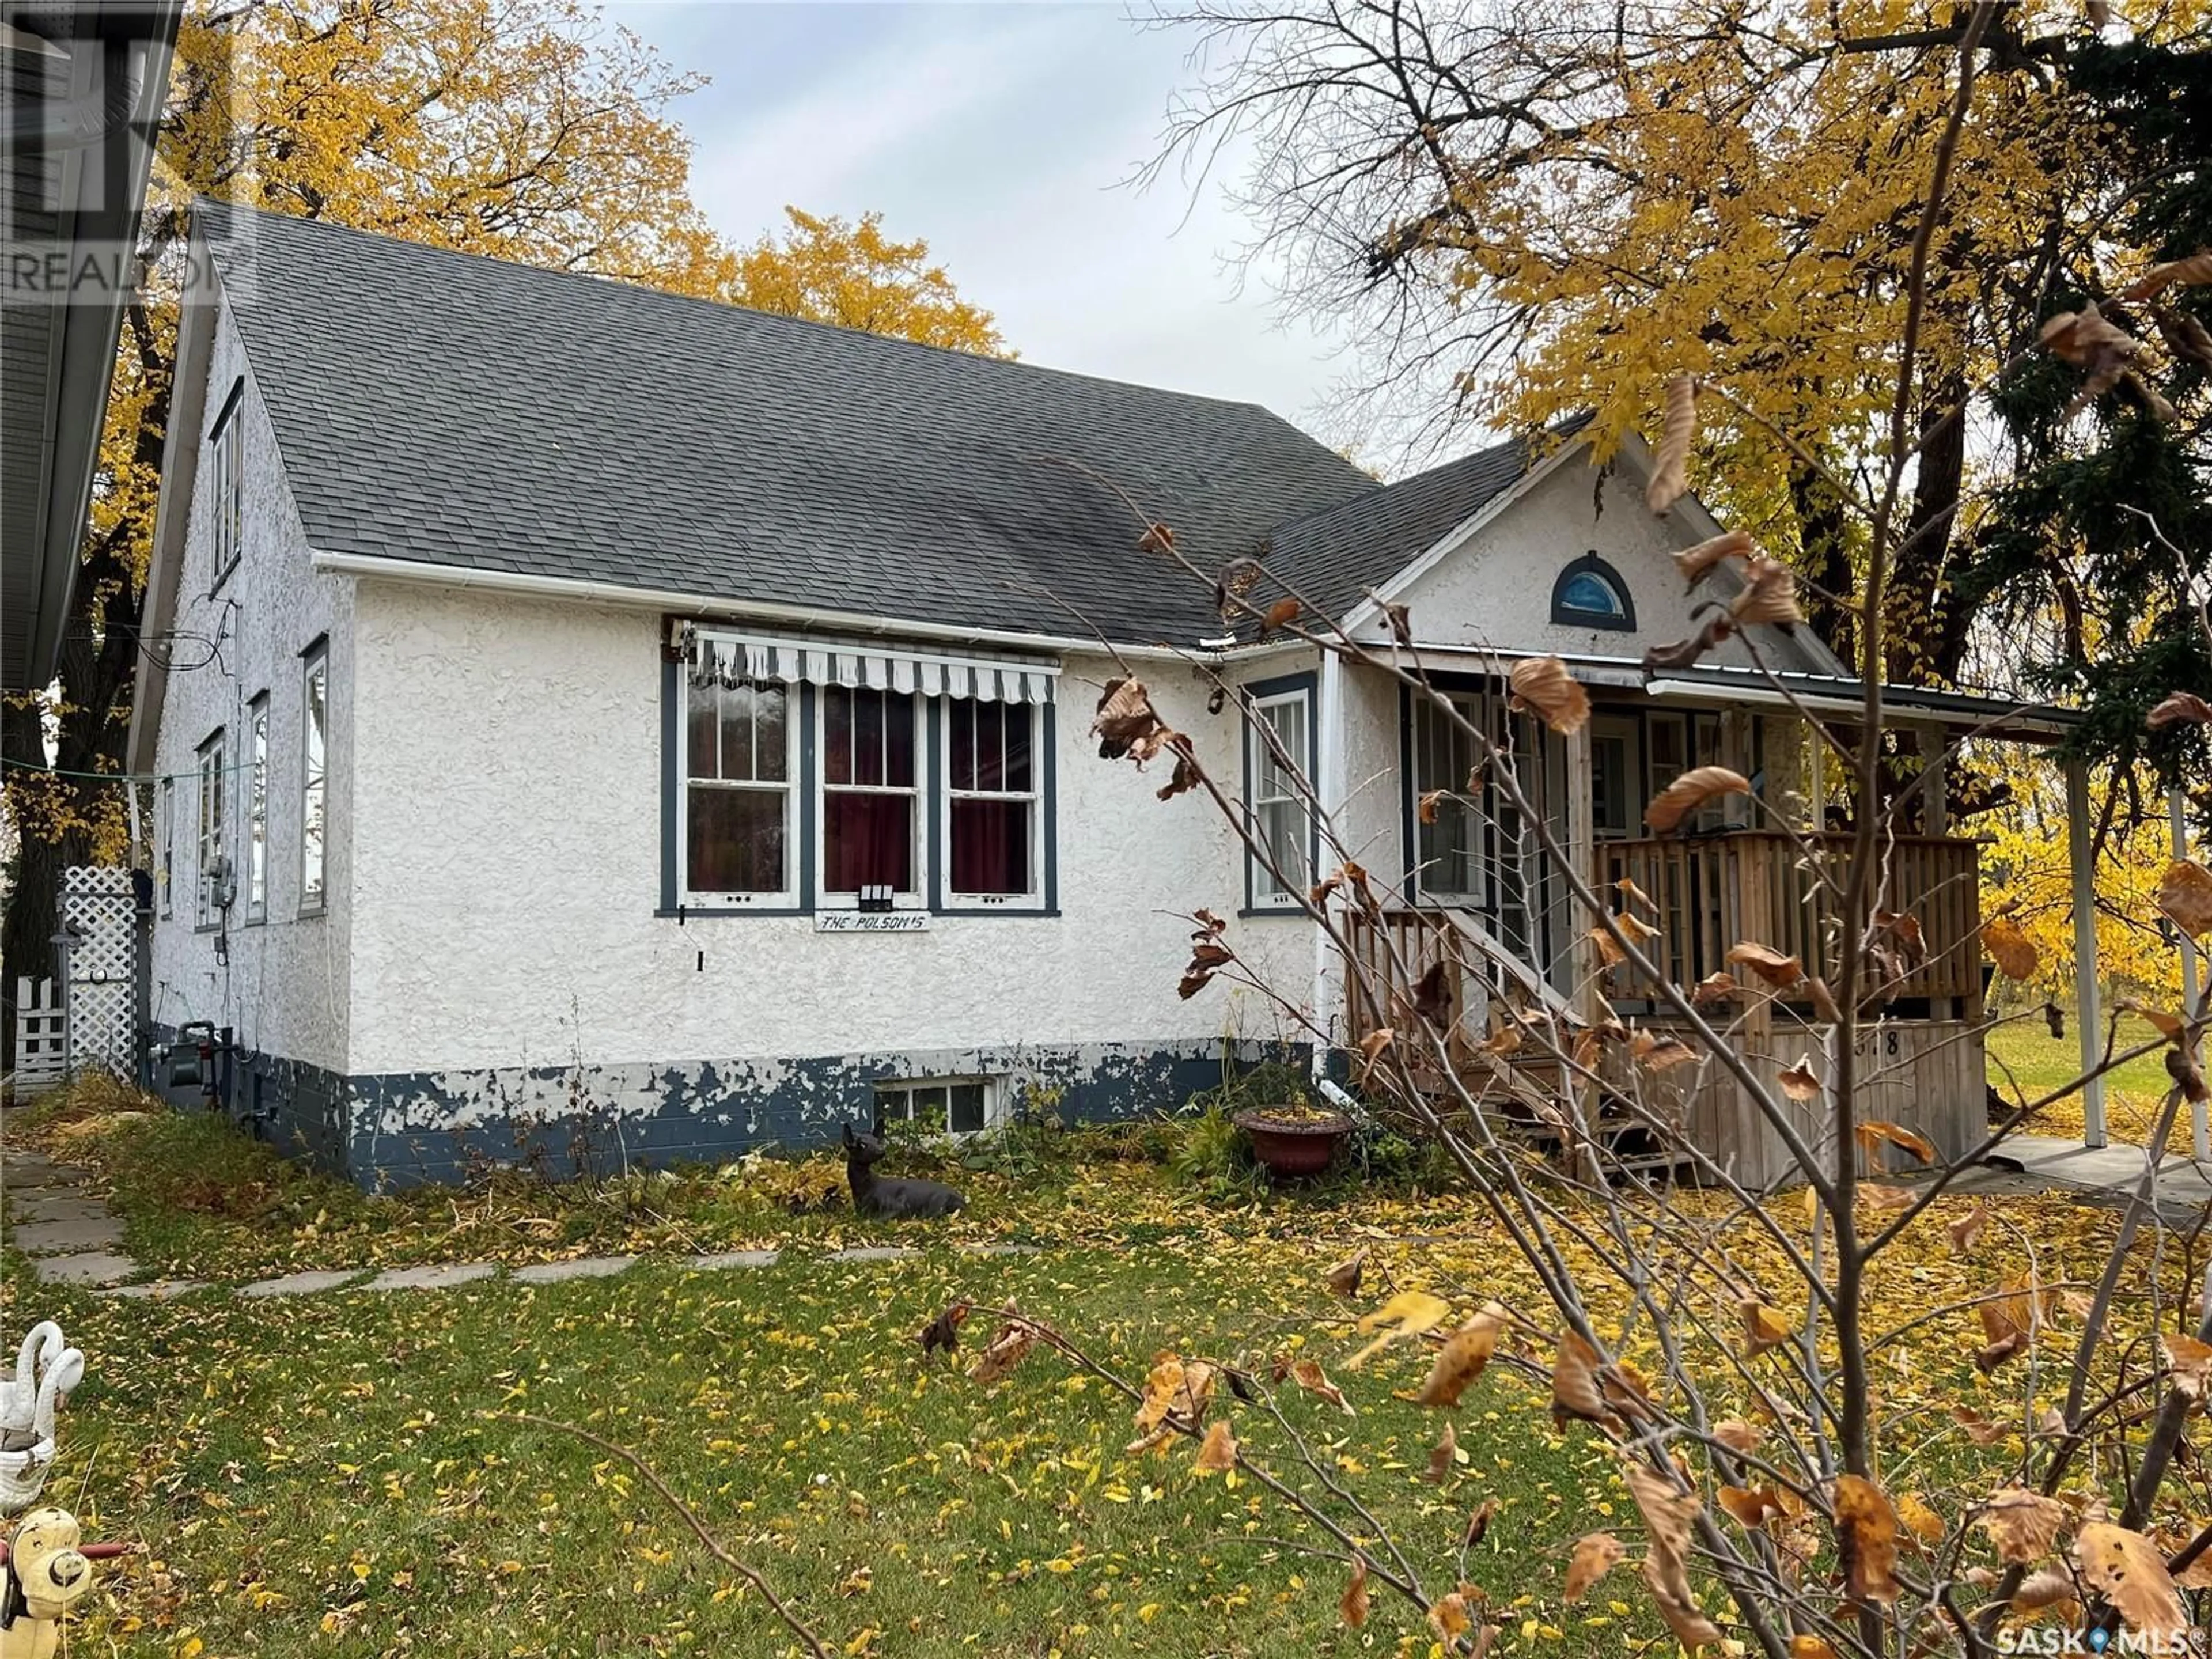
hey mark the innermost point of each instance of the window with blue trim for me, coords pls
(1591, 593)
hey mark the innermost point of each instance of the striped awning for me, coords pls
(789, 659)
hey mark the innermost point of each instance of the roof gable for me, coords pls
(464, 411)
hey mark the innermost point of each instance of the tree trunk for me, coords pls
(1924, 647)
(1824, 541)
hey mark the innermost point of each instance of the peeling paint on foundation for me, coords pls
(405, 1129)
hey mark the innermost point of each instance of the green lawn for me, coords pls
(318, 1476)
(2025, 1061)
(323, 1475)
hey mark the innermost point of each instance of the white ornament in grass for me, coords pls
(46, 1369)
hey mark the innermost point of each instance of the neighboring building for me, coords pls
(589, 657)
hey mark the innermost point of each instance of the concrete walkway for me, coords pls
(71, 1237)
(2106, 1175)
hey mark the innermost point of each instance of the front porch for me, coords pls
(1485, 896)
(1921, 1062)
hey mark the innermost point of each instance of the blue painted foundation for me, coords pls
(393, 1130)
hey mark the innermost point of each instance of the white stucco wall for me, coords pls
(1494, 589)
(506, 814)
(284, 988)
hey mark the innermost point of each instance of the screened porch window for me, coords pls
(1281, 739)
(869, 793)
(739, 796)
(990, 789)
(1451, 855)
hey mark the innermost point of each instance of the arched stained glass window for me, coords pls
(1589, 593)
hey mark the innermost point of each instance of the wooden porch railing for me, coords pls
(1766, 887)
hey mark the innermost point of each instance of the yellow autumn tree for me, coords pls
(830, 270)
(2025, 866)
(1555, 211)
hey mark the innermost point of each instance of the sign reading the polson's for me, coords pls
(872, 921)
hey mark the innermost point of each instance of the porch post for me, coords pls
(2176, 814)
(2088, 1015)
(1581, 852)
(1935, 807)
(1816, 780)
(1328, 801)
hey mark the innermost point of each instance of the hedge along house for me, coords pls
(600, 720)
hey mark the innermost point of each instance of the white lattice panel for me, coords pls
(99, 915)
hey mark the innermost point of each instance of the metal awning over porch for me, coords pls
(1830, 697)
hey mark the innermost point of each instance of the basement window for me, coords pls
(956, 1106)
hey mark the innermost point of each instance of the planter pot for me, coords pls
(1293, 1146)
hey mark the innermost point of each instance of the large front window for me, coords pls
(869, 794)
(739, 797)
(807, 777)
(991, 785)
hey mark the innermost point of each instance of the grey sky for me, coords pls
(998, 133)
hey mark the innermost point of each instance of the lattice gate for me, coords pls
(99, 948)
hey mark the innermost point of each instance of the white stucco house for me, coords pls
(584, 709)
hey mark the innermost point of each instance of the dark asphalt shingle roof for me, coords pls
(1332, 555)
(458, 411)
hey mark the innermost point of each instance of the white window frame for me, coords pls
(1259, 759)
(994, 1102)
(314, 781)
(1476, 709)
(256, 811)
(1034, 795)
(786, 897)
(168, 882)
(228, 539)
(918, 855)
(213, 760)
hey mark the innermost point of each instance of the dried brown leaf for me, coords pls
(1218, 1451)
(1769, 595)
(2190, 1362)
(2024, 1525)
(1575, 1394)
(1309, 1376)
(2184, 896)
(1596, 1555)
(1873, 1137)
(1866, 1540)
(1670, 469)
(1343, 1278)
(1443, 1457)
(1543, 685)
(2191, 272)
(2127, 1570)
(1691, 791)
(1281, 614)
(2179, 706)
(2013, 951)
(1780, 971)
(1352, 1605)
(1431, 805)
(1694, 561)
(1800, 1082)
(1460, 1360)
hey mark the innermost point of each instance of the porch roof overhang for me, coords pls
(1829, 696)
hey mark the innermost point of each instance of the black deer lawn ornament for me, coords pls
(892, 1199)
